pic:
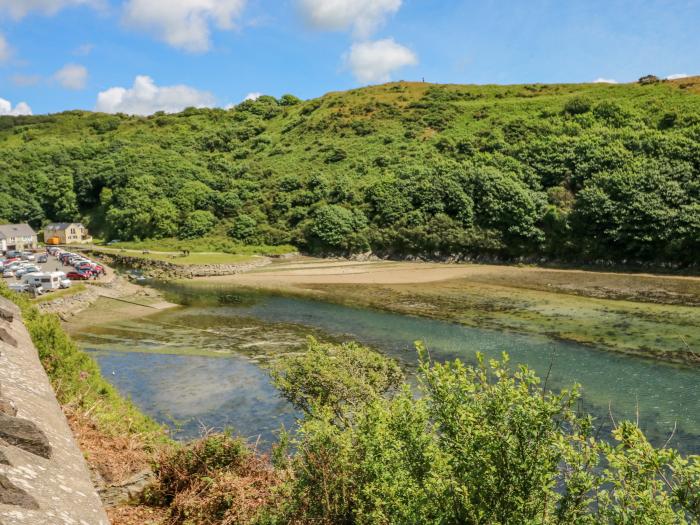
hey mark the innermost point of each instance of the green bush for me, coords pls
(336, 228)
(197, 224)
(77, 380)
(479, 444)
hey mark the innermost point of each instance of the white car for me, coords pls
(19, 272)
(7, 273)
(66, 283)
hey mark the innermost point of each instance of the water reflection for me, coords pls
(169, 381)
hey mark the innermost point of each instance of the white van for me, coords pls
(48, 281)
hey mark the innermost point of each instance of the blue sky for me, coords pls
(57, 55)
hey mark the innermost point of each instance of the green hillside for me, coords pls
(577, 172)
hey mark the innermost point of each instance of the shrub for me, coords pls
(578, 106)
(480, 444)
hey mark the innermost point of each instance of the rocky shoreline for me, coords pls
(168, 270)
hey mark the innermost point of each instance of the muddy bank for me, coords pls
(125, 298)
(303, 271)
(645, 315)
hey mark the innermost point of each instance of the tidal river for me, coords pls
(202, 365)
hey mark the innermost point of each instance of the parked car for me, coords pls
(19, 287)
(7, 273)
(28, 256)
(31, 268)
(19, 272)
(42, 259)
(66, 283)
(77, 276)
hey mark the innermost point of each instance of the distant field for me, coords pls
(178, 258)
(206, 245)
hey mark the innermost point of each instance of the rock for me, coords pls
(10, 494)
(130, 490)
(6, 337)
(25, 435)
(7, 407)
(3, 459)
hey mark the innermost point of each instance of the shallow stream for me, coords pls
(202, 365)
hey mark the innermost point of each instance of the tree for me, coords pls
(197, 224)
(337, 228)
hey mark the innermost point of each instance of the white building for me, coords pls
(17, 237)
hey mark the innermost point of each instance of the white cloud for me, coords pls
(677, 76)
(184, 24)
(253, 96)
(605, 81)
(363, 16)
(5, 50)
(20, 109)
(375, 61)
(20, 8)
(25, 80)
(72, 76)
(145, 98)
(84, 50)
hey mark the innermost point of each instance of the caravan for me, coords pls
(48, 281)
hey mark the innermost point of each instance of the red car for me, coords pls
(77, 276)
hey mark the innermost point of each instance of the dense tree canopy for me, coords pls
(578, 172)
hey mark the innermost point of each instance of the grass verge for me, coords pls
(75, 289)
(78, 382)
(205, 245)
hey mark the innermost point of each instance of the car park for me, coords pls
(47, 280)
(19, 272)
(77, 276)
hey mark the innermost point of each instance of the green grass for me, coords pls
(175, 258)
(208, 245)
(75, 289)
(77, 380)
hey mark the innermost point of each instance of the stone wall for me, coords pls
(168, 270)
(43, 477)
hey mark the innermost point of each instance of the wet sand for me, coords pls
(665, 289)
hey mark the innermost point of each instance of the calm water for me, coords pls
(202, 365)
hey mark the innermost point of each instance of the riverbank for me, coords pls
(641, 314)
(126, 299)
(162, 265)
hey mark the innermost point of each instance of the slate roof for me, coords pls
(58, 226)
(16, 230)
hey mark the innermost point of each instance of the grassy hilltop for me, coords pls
(578, 172)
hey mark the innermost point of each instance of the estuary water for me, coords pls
(202, 365)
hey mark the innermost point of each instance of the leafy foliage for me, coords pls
(77, 380)
(578, 172)
(480, 445)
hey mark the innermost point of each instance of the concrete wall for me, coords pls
(43, 477)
